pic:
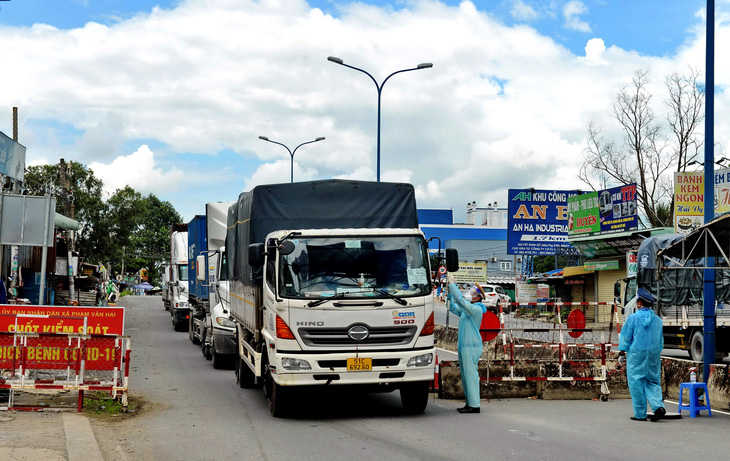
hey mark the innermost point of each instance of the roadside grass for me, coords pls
(102, 404)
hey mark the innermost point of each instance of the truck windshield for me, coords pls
(182, 272)
(355, 267)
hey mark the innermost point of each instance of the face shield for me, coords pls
(474, 292)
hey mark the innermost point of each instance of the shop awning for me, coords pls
(617, 244)
(574, 271)
(65, 223)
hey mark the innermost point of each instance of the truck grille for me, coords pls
(321, 337)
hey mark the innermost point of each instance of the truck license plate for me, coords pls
(360, 364)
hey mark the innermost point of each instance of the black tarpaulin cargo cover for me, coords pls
(327, 204)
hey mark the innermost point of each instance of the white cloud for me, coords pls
(502, 107)
(139, 171)
(594, 52)
(523, 11)
(572, 12)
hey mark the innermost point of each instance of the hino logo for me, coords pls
(358, 333)
(310, 324)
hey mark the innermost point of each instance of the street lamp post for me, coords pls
(425, 65)
(291, 153)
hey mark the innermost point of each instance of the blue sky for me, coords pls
(652, 27)
(171, 96)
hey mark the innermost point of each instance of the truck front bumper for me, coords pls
(224, 341)
(180, 315)
(388, 368)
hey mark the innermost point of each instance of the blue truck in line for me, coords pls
(209, 323)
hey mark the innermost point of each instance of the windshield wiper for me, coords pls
(324, 300)
(400, 301)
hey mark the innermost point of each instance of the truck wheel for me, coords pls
(276, 395)
(206, 348)
(695, 346)
(217, 359)
(414, 396)
(244, 376)
(191, 332)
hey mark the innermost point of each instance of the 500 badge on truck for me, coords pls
(403, 318)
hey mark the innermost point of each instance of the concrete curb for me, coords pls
(81, 443)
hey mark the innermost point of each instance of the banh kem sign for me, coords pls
(689, 198)
(603, 212)
(538, 222)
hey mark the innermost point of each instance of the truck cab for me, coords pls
(345, 307)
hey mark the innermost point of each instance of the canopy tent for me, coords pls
(143, 286)
(709, 240)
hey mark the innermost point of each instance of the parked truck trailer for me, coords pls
(210, 323)
(178, 276)
(330, 286)
(678, 294)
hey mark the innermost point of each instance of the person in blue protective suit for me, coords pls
(642, 340)
(470, 310)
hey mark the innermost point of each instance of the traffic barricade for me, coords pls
(41, 351)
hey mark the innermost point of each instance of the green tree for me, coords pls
(127, 229)
(644, 155)
(84, 192)
(151, 241)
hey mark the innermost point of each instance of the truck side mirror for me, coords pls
(617, 294)
(452, 259)
(286, 247)
(200, 268)
(256, 253)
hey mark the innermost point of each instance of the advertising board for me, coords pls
(689, 198)
(603, 212)
(538, 222)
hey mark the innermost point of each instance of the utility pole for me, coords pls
(68, 209)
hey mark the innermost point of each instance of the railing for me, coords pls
(30, 360)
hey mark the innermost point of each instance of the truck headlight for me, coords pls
(420, 360)
(295, 364)
(225, 322)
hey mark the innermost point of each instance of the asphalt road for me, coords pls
(194, 412)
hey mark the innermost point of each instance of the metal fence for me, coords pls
(550, 341)
(65, 362)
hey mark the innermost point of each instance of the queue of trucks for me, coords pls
(321, 283)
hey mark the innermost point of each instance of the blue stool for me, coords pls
(694, 406)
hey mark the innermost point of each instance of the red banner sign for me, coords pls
(59, 353)
(100, 320)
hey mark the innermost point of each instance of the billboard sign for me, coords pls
(12, 158)
(689, 201)
(538, 222)
(603, 212)
(689, 198)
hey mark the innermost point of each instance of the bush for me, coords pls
(126, 293)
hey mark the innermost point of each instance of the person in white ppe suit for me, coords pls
(470, 309)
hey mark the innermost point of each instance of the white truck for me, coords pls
(166, 299)
(178, 277)
(330, 286)
(678, 297)
(210, 323)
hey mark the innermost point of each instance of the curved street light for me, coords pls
(291, 153)
(425, 65)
